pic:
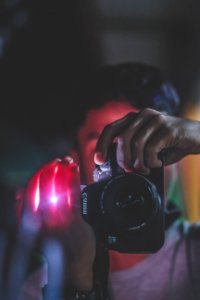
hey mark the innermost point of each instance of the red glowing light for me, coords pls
(37, 195)
(51, 192)
(53, 197)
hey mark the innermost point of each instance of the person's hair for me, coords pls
(140, 84)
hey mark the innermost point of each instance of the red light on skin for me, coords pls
(53, 192)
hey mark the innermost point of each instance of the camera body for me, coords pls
(126, 210)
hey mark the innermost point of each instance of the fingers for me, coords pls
(133, 131)
(109, 133)
(132, 141)
(32, 198)
(148, 143)
(141, 137)
(53, 192)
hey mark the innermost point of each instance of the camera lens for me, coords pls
(129, 201)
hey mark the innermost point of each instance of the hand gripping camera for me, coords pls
(126, 210)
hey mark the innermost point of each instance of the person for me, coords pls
(172, 272)
(115, 91)
(134, 103)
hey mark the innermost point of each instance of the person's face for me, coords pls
(88, 135)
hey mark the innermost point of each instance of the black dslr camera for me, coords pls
(126, 210)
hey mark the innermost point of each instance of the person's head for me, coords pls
(116, 90)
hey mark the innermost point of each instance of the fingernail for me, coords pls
(98, 158)
(68, 159)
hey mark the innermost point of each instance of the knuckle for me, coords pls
(149, 111)
(161, 118)
(168, 131)
(107, 128)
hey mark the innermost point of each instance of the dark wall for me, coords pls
(47, 49)
(50, 48)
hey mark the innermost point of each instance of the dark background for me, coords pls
(47, 50)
